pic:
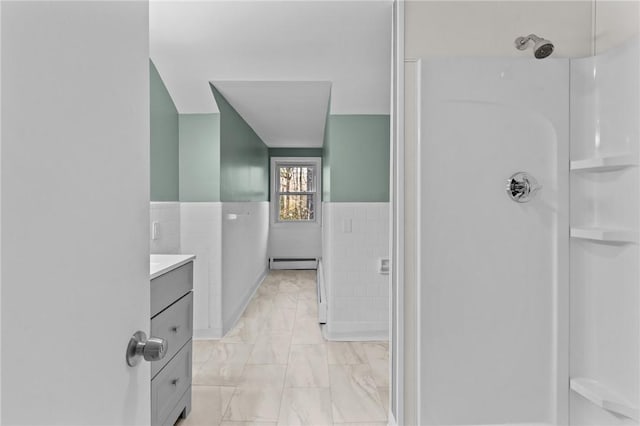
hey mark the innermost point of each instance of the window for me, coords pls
(295, 195)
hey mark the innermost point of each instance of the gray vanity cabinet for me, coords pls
(172, 320)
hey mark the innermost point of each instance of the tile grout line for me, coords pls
(286, 370)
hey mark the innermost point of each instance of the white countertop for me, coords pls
(162, 263)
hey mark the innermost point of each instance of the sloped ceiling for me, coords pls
(345, 43)
(283, 114)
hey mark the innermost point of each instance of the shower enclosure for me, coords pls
(527, 240)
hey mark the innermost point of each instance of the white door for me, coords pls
(75, 200)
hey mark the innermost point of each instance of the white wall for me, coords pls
(75, 196)
(244, 255)
(167, 215)
(0, 214)
(295, 240)
(489, 28)
(358, 295)
(201, 234)
(615, 23)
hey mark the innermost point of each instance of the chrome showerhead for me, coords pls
(541, 49)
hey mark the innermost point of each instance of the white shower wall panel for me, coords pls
(605, 277)
(492, 271)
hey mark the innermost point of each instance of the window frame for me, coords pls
(312, 162)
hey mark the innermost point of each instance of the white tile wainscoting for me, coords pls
(225, 236)
(201, 234)
(355, 238)
(245, 239)
(230, 244)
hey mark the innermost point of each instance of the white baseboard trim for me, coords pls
(207, 334)
(235, 316)
(392, 420)
(359, 331)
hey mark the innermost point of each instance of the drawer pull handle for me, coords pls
(174, 382)
(175, 328)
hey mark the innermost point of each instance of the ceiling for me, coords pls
(275, 61)
(283, 113)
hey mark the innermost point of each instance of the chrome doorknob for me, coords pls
(152, 349)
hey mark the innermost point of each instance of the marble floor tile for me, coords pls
(305, 406)
(209, 404)
(308, 294)
(346, 353)
(272, 348)
(269, 287)
(225, 365)
(280, 320)
(383, 391)
(378, 357)
(307, 308)
(305, 274)
(274, 366)
(263, 376)
(307, 366)
(202, 350)
(307, 283)
(307, 331)
(267, 291)
(259, 307)
(289, 287)
(246, 330)
(254, 404)
(285, 300)
(354, 395)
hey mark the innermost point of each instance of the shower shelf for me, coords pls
(607, 163)
(601, 234)
(604, 398)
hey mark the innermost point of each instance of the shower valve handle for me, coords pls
(522, 187)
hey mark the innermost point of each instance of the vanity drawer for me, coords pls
(169, 287)
(175, 325)
(169, 386)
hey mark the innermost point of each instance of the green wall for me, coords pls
(356, 153)
(164, 140)
(218, 157)
(295, 152)
(244, 158)
(199, 157)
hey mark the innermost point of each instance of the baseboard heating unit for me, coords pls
(293, 263)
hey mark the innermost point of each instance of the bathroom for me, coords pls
(496, 312)
(222, 137)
